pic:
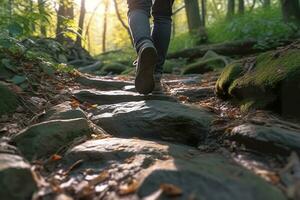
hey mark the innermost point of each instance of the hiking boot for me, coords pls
(146, 62)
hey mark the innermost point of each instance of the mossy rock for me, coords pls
(271, 82)
(173, 65)
(209, 62)
(204, 66)
(113, 68)
(8, 100)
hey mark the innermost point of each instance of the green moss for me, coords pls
(8, 100)
(272, 83)
(129, 71)
(172, 65)
(229, 74)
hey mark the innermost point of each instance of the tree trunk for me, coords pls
(203, 13)
(122, 21)
(65, 12)
(41, 7)
(291, 11)
(267, 3)
(193, 15)
(105, 26)
(80, 24)
(230, 8)
(241, 7)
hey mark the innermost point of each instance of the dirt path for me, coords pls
(109, 142)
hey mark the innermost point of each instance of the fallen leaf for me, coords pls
(74, 104)
(183, 98)
(129, 188)
(170, 190)
(55, 157)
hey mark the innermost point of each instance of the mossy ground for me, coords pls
(273, 74)
(8, 100)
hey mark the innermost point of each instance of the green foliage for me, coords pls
(20, 18)
(260, 24)
(182, 41)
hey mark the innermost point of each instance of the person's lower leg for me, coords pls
(161, 34)
(138, 18)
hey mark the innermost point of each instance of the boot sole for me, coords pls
(144, 81)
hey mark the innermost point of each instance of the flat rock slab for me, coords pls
(103, 84)
(16, 178)
(276, 135)
(47, 138)
(194, 93)
(209, 176)
(113, 97)
(63, 111)
(155, 120)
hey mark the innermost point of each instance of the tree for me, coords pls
(291, 11)
(203, 12)
(41, 7)
(122, 21)
(266, 3)
(65, 15)
(193, 15)
(105, 26)
(80, 24)
(241, 7)
(230, 8)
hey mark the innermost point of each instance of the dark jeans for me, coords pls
(138, 17)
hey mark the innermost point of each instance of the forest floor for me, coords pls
(99, 139)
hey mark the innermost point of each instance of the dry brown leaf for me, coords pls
(55, 157)
(100, 178)
(129, 188)
(183, 98)
(170, 190)
(74, 104)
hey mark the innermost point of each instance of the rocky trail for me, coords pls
(105, 141)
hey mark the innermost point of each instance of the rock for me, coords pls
(194, 93)
(174, 65)
(207, 63)
(47, 138)
(16, 179)
(63, 111)
(155, 119)
(207, 176)
(150, 163)
(102, 84)
(113, 68)
(269, 81)
(116, 96)
(91, 68)
(276, 136)
(189, 80)
(8, 100)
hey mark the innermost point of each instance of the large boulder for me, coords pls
(47, 138)
(16, 178)
(268, 81)
(191, 174)
(63, 111)
(115, 96)
(270, 137)
(155, 119)
(8, 100)
(103, 84)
